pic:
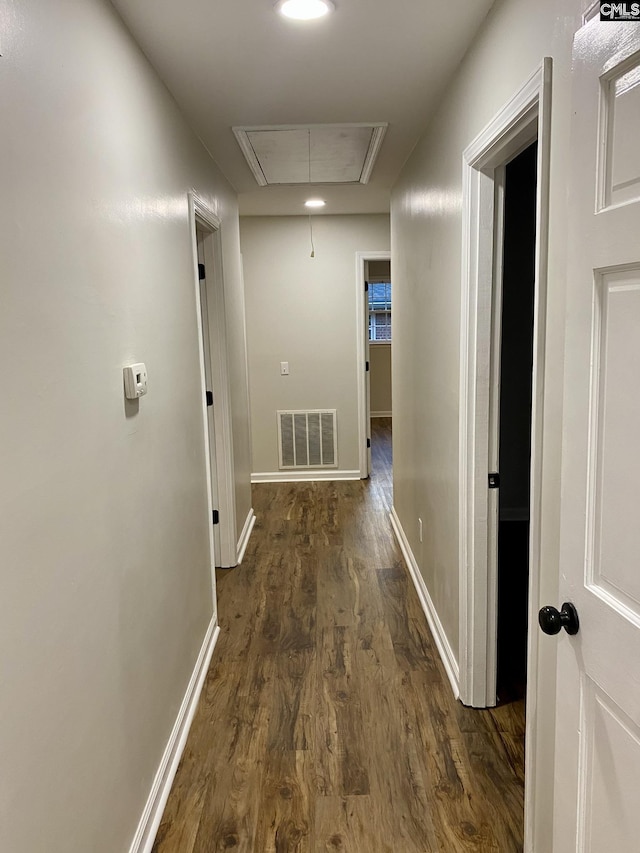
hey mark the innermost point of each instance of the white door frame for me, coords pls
(201, 236)
(361, 343)
(204, 218)
(525, 118)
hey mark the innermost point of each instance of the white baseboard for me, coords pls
(152, 814)
(243, 541)
(380, 414)
(305, 476)
(444, 647)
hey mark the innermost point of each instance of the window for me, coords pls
(380, 311)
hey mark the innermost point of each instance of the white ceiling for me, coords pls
(238, 63)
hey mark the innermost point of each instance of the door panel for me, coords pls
(608, 815)
(598, 700)
(615, 425)
(211, 435)
(621, 117)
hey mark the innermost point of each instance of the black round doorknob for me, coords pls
(552, 620)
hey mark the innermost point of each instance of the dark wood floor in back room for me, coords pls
(327, 722)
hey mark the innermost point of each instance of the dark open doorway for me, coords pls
(516, 366)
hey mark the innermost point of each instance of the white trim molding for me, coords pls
(361, 327)
(440, 638)
(377, 138)
(159, 794)
(525, 118)
(243, 541)
(305, 476)
(592, 11)
(200, 214)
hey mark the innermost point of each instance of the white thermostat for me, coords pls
(135, 381)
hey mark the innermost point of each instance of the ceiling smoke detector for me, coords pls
(305, 10)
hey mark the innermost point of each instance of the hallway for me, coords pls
(327, 722)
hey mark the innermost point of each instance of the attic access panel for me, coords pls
(316, 154)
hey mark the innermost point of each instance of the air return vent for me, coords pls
(307, 439)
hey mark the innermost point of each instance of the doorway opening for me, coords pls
(484, 607)
(216, 400)
(205, 345)
(514, 387)
(374, 342)
(378, 295)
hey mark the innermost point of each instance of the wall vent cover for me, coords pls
(307, 439)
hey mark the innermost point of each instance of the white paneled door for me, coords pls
(597, 784)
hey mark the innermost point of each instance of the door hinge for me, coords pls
(368, 442)
(216, 517)
(366, 287)
(209, 398)
(200, 272)
(494, 480)
(366, 366)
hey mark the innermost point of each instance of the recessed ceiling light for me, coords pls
(315, 202)
(304, 10)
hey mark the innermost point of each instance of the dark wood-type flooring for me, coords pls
(327, 722)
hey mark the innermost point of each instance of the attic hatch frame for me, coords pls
(378, 131)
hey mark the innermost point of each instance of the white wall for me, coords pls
(105, 588)
(303, 310)
(426, 249)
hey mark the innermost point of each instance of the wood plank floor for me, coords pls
(327, 722)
